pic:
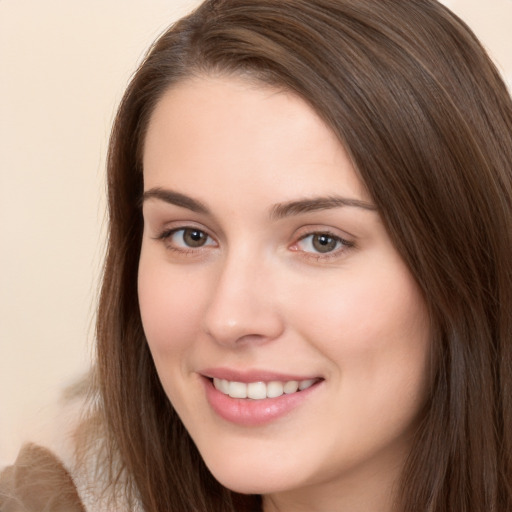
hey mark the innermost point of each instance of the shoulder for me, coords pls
(38, 481)
(67, 468)
(44, 479)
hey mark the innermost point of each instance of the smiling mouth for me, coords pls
(261, 390)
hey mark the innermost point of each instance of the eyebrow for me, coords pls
(171, 197)
(278, 211)
(313, 204)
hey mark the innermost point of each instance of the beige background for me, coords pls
(64, 65)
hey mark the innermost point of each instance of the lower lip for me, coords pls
(248, 412)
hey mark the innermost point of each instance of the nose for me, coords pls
(243, 306)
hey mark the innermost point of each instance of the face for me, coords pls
(286, 330)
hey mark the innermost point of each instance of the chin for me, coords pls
(260, 484)
(245, 478)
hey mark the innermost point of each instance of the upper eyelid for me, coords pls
(327, 229)
(321, 232)
(185, 224)
(159, 221)
(344, 241)
(171, 230)
(155, 210)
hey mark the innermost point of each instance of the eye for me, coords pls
(322, 243)
(186, 238)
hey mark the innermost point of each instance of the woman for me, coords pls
(306, 300)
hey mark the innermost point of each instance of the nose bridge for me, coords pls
(242, 305)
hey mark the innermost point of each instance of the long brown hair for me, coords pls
(427, 120)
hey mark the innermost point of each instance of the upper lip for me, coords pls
(253, 375)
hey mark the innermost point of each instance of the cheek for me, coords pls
(376, 338)
(373, 326)
(363, 308)
(169, 307)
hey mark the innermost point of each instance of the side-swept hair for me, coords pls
(427, 122)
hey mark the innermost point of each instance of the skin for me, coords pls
(259, 295)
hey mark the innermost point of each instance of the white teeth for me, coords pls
(275, 389)
(261, 390)
(237, 390)
(305, 384)
(291, 386)
(222, 385)
(256, 390)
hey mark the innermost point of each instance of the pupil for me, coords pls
(194, 237)
(324, 243)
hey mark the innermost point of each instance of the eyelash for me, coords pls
(341, 244)
(166, 235)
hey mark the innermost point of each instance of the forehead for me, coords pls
(235, 131)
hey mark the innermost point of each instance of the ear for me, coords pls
(38, 482)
